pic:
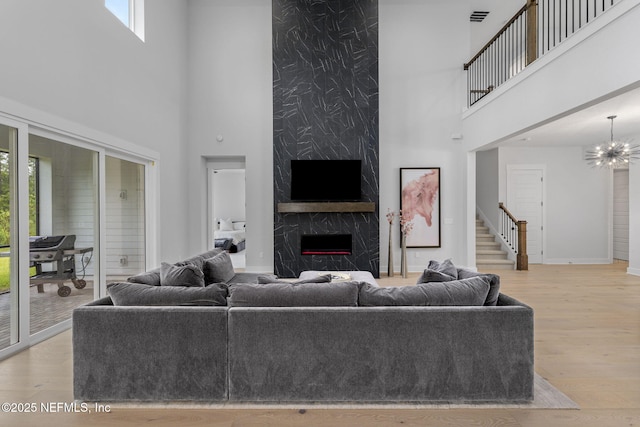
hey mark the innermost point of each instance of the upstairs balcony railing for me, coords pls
(536, 28)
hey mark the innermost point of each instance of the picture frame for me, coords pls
(420, 204)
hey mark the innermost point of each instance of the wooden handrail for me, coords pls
(509, 214)
(515, 234)
(502, 30)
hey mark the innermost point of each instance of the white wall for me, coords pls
(71, 65)
(487, 185)
(230, 95)
(577, 202)
(634, 218)
(229, 194)
(422, 46)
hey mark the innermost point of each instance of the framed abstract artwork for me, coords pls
(420, 206)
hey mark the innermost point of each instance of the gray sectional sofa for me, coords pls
(308, 342)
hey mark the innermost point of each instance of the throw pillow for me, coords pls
(494, 284)
(218, 269)
(292, 295)
(465, 292)
(439, 272)
(147, 278)
(324, 278)
(125, 293)
(226, 225)
(181, 275)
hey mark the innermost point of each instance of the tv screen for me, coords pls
(325, 180)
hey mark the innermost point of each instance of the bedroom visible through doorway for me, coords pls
(227, 212)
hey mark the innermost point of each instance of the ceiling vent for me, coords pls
(478, 16)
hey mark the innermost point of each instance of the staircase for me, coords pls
(489, 256)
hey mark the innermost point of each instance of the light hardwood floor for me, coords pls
(587, 332)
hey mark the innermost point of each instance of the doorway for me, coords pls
(226, 216)
(525, 195)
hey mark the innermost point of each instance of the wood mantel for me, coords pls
(312, 207)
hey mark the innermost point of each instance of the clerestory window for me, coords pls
(130, 13)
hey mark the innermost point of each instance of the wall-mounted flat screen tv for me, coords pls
(326, 180)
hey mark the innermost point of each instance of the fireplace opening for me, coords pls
(326, 244)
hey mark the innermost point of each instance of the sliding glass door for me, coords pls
(72, 219)
(125, 218)
(65, 235)
(9, 292)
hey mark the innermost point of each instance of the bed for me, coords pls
(230, 235)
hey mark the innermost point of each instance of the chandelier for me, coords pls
(613, 154)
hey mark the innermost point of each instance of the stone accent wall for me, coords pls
(325, 106)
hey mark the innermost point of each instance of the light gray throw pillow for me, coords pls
(465, 292)
(181, 275)
(292, 295)
(126, 293)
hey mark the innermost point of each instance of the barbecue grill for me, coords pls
(58, 252)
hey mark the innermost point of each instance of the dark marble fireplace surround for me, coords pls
(325, 107)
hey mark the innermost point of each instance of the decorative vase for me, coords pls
(390, 261)
(403, 257)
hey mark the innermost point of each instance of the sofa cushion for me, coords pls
(181, 275)
(218, 269)
(126, 293)
(294, 295)
(465, 292)
(151, 277)
(325, 278)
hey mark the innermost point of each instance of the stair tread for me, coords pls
(495, 261)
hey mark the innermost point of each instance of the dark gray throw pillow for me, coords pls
(446, 269)
(324, 278)
(291, 295)
(151, 277)
(218, 269)
(126, 293)
(181, 275)
(465, 292)
(494, 284)
(429, 275)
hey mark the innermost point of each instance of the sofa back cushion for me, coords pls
(343, 294)
(126, 293)
(445, 272)
(464, 292)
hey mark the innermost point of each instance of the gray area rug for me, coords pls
(546, 396)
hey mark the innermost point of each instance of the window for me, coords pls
(130, 13)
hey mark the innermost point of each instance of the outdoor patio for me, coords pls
(47, 308)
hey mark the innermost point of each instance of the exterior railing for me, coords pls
(514, 233)
(536, 28)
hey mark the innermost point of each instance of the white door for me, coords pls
(621, 215)
(525, 202)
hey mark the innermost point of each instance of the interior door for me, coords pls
(525, 201)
